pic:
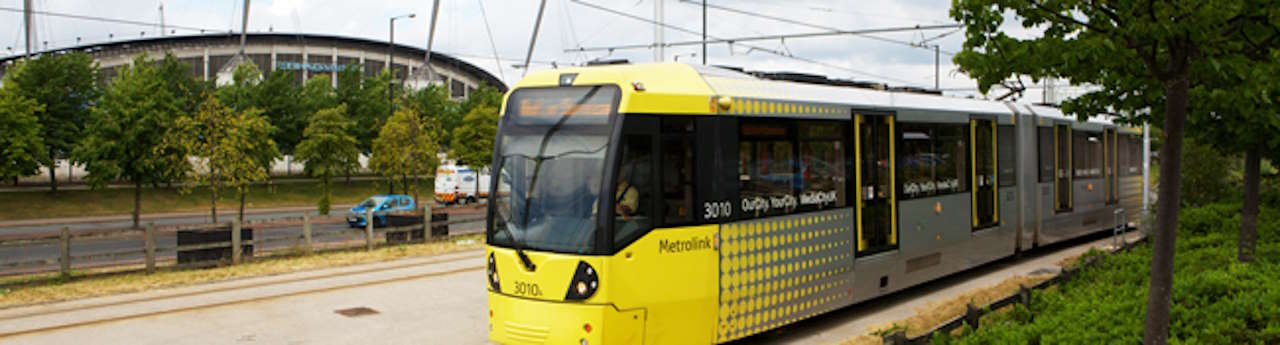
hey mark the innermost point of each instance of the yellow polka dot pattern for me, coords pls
(750, 106)
(779, 270)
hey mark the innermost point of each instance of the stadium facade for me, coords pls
(310, 55)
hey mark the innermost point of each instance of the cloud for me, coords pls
(461, 30)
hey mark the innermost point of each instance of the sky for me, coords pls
(463, 29)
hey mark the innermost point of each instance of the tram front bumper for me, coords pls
(515, 320)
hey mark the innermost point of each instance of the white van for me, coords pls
(456, 184)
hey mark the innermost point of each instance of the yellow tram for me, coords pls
(682, 204)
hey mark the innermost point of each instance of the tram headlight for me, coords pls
(491, 274)
(584, 284)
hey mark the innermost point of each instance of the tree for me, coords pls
(21, 150)
(317, 93)
(1237, 117)
(433, 102)
(328, 149)
(233, 149)
(240, 93)
(281, 102)
(405, 147)
(123, 139)
(1144, 56)
(473, 141)
(66, 85)
(372, 110)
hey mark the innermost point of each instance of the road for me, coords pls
(428, 300)
(167, 239)
(20, 228)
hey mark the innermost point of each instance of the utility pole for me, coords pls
(534, 39)
(244, 27)
(391, 68)
(937, 70)
(658, 53)
(29, 20)
(162, 19)
(431, 37)
(704, 32)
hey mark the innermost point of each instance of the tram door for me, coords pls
(1062, 167)
(982, 149)
(1109, 154)
(876, 209)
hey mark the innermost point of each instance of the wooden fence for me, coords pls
(304, 241)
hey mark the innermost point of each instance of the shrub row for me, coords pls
(1216, 300)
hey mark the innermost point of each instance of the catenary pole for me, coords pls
(534, 38)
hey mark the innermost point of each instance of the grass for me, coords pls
(30, 290)
(939, 312)
(109, 202)
(1215, 298)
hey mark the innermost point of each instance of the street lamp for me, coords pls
(391, 58)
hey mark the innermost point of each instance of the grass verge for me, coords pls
(1216, 299)
(109, 202)
(29, 290)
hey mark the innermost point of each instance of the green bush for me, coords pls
(1215, 299)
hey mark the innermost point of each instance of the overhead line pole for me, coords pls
(244, 27)
(534, 38)
(704, 32)
(431, 38)
(28, 18)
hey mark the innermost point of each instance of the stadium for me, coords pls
(313, 55)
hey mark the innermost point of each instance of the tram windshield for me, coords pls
(551, 160)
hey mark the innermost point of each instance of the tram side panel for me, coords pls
(1000, 241)
(1028, 201)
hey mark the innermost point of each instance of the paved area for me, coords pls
(432, 300)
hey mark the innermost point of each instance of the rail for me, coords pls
(292, 240)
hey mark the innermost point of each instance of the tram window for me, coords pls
(766, 169)
(933, 159)
(1007, 159)
(1087, 154)
(1044, 140)
(632, 211)
(916, 160)
(822, 164)
(953, 158)
(677, 171)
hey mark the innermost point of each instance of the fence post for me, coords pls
(897, 337)
(368, 229)
(65, 259)
(426, 221)
(235, 242)
(1025, 295)
(971, 315)
(306, 230)
(150, 240)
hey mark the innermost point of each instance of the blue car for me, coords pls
(382, 205)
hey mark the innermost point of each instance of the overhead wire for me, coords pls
(103, 19)
(752, 47)
(496, 59)
(811, 25)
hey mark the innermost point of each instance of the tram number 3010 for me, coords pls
(717, 209)
(528, 289)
